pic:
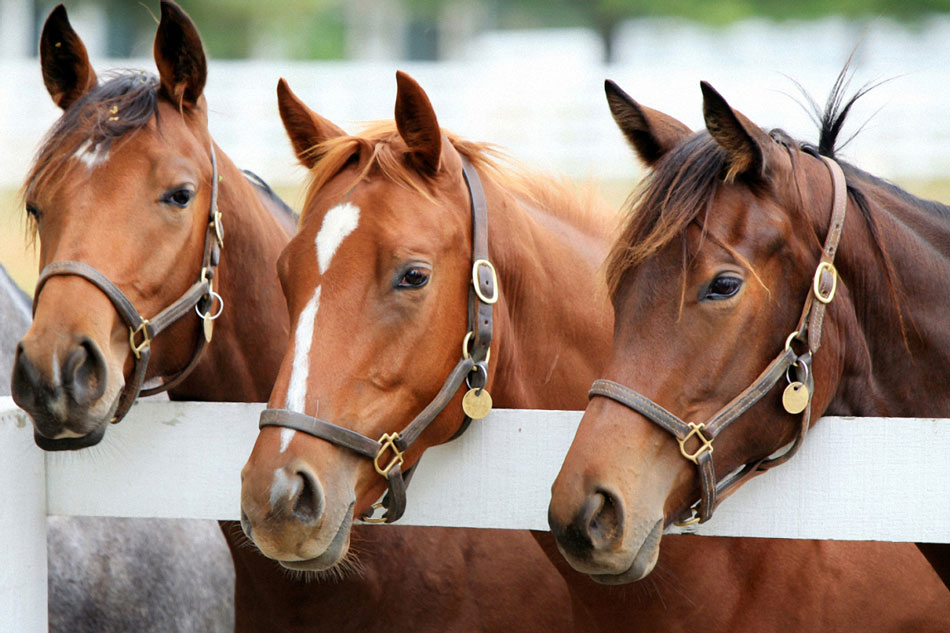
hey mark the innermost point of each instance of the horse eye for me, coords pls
(32, 211)
(415, 277)
(722, 287)
(179, 197)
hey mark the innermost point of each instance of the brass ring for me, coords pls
(466, 354)
(788, 341)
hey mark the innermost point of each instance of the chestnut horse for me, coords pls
(709, 278)
(124, 183)
(379, 282)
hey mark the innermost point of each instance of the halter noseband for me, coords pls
(199, 296)
(797, 396)
(387, 452)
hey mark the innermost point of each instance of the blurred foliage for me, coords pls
(315, 29)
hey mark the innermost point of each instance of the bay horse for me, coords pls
(124, 185)
(379, 281)
(729, 237)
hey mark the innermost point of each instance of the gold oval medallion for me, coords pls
(476, 403)
(209, 328)
(795, 397)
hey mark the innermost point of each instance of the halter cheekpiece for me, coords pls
(200, 296)
(388, 451)
(696, 439)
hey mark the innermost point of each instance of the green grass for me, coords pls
(20, 259)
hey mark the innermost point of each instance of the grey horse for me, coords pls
(125, 575)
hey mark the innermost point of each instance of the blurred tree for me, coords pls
(310, 29)
(605, 15)
(314, 29)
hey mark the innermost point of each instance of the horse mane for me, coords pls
(375, 147)
(676, 192)
(124, 103)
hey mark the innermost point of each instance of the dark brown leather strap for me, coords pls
(320, 428)
(824, 285)
(142, 330)
(472, 368)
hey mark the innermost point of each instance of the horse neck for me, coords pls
(893, 363)
(552, 324)
(241, 362)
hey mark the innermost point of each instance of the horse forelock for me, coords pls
(674, 194)
(115, 108)
(378, 152)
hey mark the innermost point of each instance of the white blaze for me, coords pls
(91, 157)
(339, 222)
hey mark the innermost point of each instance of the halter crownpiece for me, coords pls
(388, 452)
(200, 296)
(696, 440)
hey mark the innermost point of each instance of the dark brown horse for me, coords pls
(124, 184)
(379, 283)
(716, 273)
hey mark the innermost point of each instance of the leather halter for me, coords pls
(472, 368)
(808, 330)
(141, 330)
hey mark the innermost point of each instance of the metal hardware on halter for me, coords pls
(481, 372)
(706, 443)
(494, 281)
(369, 518)
(466, 353)
(217, 226)
(215, 298)
(387, 441)
(138, 348)
(693, 518)
(816, 284)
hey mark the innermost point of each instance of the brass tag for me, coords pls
(795, 397)
(209, 328)
(476, 403)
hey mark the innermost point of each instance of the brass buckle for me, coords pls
(374, 520)
(146, 341)
(387, 441)
(693, 519)
(816, 283)
(218, 227)
(494, 281)
(466, 353)
(695, 429)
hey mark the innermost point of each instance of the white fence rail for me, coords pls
(855, 478)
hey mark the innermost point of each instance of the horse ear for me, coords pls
(744, 141)
(179, 55)
(417, 125)
(67, 73)
(650, 132)
(306, 128)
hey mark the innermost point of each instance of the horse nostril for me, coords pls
(26, 380)
(604, 520)
(308, 504)
(84, 372)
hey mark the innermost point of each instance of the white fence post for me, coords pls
(22, 524)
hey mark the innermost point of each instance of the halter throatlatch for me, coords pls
(696, 440)
(200, 296)
(388, 452)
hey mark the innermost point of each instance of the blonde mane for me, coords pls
(376, 147)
